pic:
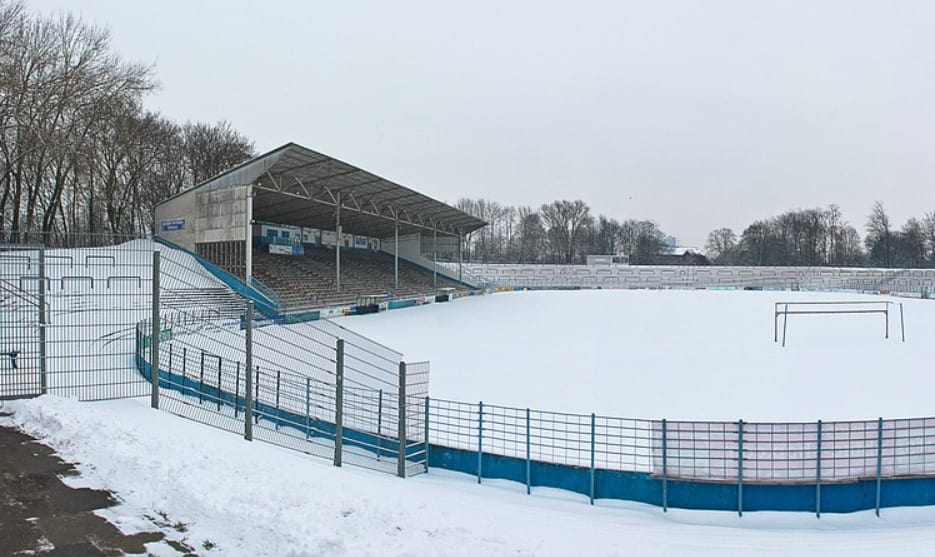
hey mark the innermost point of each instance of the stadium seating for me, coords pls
(308, 282)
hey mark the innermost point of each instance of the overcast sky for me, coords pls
(694, 114)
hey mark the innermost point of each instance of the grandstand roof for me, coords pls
(298, 186)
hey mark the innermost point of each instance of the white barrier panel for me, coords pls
(914, 281)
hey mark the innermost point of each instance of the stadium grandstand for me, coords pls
(308, 231)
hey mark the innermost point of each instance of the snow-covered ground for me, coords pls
(253, 499)
(677, 354)
(647, 354)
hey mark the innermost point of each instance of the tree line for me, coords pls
(814, 237)
(562, 231)
(78, 151)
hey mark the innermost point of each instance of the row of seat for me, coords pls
(309, 281)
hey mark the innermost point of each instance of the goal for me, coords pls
(881, 308)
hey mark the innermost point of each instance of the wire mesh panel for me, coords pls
(417, 389)
(624, 444)
(504, 431)
(453, 424)
(907, 447)
(848, 450)
(94, 289)
(560, 438)
(696, 450)
(20, 364)
(780, 451)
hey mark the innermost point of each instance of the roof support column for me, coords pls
(337, 243)
(396, 253)
(460, 263)
(248, 238)
(434, 257)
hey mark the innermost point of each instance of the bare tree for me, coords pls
(721, 246)
(567, 223)
(211, 149)
(531, 235)
(879, 240)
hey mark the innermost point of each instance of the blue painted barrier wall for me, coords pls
(843, 497)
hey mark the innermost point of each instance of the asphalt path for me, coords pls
(40, 515)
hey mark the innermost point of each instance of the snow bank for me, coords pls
(255, 499)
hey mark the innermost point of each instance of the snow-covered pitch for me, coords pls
(677, 354)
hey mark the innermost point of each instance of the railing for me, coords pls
(861, 464)
(908, 281)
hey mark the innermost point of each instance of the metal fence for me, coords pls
(82, 319)
(739, 451)
(315, 387)
(68, 308)
(76, 316)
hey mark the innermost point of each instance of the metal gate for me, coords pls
(22, 294)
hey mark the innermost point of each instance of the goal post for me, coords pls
(785, 309)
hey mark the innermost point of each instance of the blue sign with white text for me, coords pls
(173, 224)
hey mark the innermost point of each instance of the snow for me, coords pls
(256, 499)
(644, 354)
(676, 354)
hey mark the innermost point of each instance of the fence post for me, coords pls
(902, 322)
(665, 472)
(339, 402)
(528, 456)
(401, 456)
(426, 433)
(169, 367)
(154, 344)
(43, 378)
(593, 433)
(818, 474)
(236, 388)
(379, 424)
(886, 314)
(879, 461)
(220, 366)
(248, 376)
(739, 467)
(480, 441)
(785, 321)
(308, 407)
(201, 379)
(278, 374)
